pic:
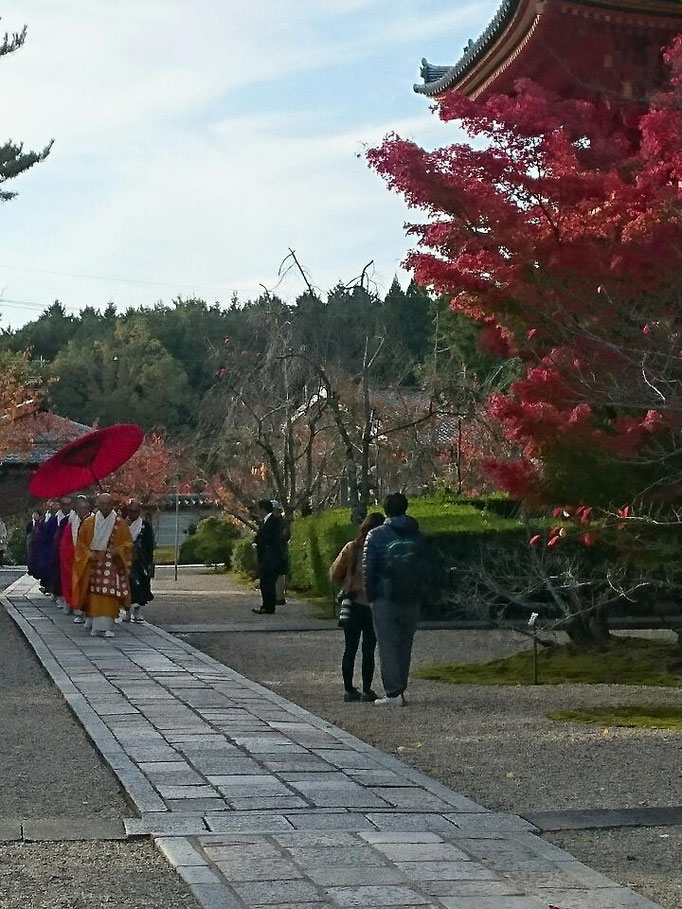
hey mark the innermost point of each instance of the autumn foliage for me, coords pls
(21, 398)
(154, 472)
(558, 227)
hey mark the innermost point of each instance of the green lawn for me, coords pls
(637, 716)
(624, 661)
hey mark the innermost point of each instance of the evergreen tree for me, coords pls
(47, 335)
(13, 159)
(130, 377)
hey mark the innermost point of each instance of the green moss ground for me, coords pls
(164, 555)
(624, 661)
(636, 716)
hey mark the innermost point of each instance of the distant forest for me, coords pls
(156, 365)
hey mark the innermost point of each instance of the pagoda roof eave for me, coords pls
(447, 77)
(513, 25)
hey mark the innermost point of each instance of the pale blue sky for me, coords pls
(197, 141)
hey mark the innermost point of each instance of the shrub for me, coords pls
(244, 557)
(459, 537)
(189, 554)
(17, 543)
(213, 541)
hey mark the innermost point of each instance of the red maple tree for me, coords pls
(559, 228)
(154, 472)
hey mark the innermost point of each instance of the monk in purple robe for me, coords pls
(43, 544)
(34, 533)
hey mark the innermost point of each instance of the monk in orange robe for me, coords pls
(101, 567)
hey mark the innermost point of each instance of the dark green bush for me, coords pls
(244, 557)
(17, 543)
(213, 542)
(189, 554)
(499, 504)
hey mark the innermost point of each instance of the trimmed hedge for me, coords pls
(458, 534)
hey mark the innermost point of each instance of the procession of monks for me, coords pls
(93, 565)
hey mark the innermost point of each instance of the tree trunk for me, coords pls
(675, 662)
(366, 441)
(588, 630)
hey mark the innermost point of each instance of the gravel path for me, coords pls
(89, 876)
(49, 769)
(646, 860)
(201, 595)
(47, 765)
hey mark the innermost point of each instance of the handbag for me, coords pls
(345, 599)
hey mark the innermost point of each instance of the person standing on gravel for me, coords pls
(269, 553)
(281, 583)
(393, 571)
(346, 573)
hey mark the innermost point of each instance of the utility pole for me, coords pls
(177, 529)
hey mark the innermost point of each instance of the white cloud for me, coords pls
(158, 174)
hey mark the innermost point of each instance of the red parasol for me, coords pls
(87, 460)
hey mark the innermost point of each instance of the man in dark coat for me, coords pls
(142, 568)
(393, 574)
(270, 551)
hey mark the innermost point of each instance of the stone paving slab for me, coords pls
(598, 818)
(258, 803)
(10, 831)
(61, 830)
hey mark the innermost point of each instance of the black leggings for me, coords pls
(362, 625)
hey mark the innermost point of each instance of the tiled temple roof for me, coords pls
(438, 79)
(35, 437)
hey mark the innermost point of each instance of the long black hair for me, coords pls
(373, 520)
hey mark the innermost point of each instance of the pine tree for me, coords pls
(13, 159)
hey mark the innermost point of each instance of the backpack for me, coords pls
(404, 568)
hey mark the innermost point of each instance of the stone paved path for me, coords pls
(259, 803)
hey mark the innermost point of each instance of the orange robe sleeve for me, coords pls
(81, 562)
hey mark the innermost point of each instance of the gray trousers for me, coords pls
(395, 627)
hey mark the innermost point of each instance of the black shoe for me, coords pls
(281, 603)
(368, 697)
(262, 611)
(352, 695)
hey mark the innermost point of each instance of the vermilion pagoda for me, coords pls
(610, 48)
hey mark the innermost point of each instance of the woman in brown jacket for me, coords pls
(346, 573)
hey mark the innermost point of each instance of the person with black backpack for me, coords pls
(393, 572)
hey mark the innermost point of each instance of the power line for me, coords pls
(27, 304)
(140, 281)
